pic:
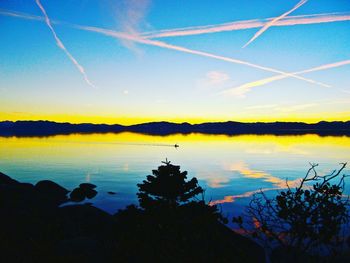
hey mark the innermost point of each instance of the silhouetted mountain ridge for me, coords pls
(45, 128)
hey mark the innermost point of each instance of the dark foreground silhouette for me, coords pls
(306, 222)
(171, 225)
(46, 128)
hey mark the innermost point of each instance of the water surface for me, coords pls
(230, 168)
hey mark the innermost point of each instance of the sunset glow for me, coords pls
(127, 63)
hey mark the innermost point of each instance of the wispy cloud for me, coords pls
(259, 107)
(138, 39)
(299, 107)
(248, 24)
(214, 78)
(131, 14)
(288, 107)
(61, 45)
(270, 23)
(241, 90)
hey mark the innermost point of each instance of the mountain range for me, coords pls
(46, 128)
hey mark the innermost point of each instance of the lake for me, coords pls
(230, 168)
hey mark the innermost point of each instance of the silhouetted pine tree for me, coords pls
(167, 187)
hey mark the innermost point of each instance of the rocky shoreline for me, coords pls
(37, 226)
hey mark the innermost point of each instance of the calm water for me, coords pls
(229, 168)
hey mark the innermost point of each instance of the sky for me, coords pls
(132, 61)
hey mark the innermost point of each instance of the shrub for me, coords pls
(307, 219)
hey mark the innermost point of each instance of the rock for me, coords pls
(34, 224)
(87, 186)
(77, 195)
(81, 249)
(17, 196)
(47, 187)
(4, 179)
(90, 193)
(84, 220)
(77, 246)
(52, 192)
(84, 190)
(26, 186)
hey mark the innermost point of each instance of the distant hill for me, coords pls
(46, 128)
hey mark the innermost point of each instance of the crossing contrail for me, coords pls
(139, 39)
(61, 45)
(121, 35)
(217, 28)
(270, 23)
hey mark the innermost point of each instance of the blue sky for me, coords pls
(142, 82)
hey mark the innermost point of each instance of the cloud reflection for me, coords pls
(247, 172)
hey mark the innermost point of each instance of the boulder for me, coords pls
(87, 186)
(90, 193)
(84, 220)
(77, 195)
(52, 192)
(17, 196)
(48, 187)
(4, 179)
(78, 247)
(85, 190)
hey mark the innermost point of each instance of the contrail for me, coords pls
(270, 23)
(61, 46)
(248, 24)
(241, 90)
(217, 28)
(20, 15)
(121, 35)
(137, 39)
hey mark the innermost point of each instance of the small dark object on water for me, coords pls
(111, 193)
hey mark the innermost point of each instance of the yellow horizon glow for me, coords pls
(130, 120)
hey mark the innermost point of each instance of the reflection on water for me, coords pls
(243, 169)
(230, 168)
